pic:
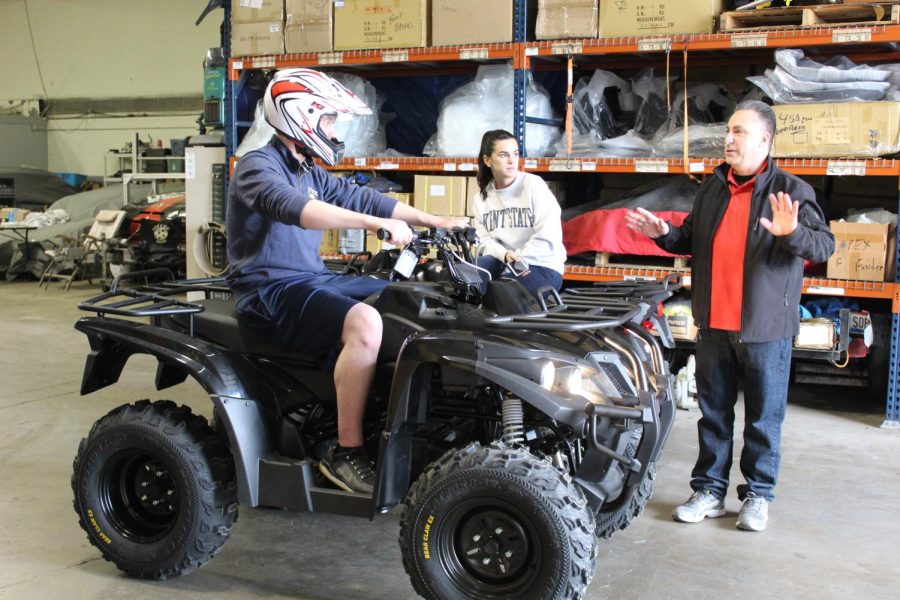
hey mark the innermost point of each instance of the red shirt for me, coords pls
(728, 249)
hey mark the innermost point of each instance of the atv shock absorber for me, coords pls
(513, 421)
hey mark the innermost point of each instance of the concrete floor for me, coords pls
(833, 532)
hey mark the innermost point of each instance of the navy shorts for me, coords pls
(306, 313)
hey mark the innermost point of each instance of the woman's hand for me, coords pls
(510, 256)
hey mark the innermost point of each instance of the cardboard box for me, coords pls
(558, 19)
(403, 197)
(682, 327)
(815, 334)
(330, 241)
(624, 18)
(18, 214)
(308, 26)
(863, 251)
(367, 24)
(844, 130)
(471, 22)
(472, 192)
(257, 11)
(249, 39)
(440, 194)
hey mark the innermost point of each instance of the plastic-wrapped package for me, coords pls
(707, 103)
(837, 69)
(893, 93)
(484, 104)
(362, 135)
(781, 94)
(259, 135)
(705, 140)
(799, 85)
(653, 110)
(591, 107)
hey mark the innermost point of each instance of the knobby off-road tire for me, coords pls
(155, 489)
(617, 518)
(497, 522)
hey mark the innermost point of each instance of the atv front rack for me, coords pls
(559, 318)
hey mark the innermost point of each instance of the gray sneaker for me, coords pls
(700, 505)
(349, 469)
(754, 513)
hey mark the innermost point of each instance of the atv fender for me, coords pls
(420, 355)
(224, 375)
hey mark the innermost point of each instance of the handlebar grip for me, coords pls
(383, 234)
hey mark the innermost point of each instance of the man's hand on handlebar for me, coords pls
(398, 232)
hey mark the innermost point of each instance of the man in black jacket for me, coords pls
(750, 230)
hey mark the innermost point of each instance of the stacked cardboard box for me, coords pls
(658, 17)
(368, 24)
(441, 194)
(257, 27)
(558, 19)
(862, 251)
(308, 26)
(471, 22)
(837, 130)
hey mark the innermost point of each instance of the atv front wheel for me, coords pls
(618, 517)
(497, 522)
(154, 489)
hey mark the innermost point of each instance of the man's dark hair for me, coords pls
(765, 113)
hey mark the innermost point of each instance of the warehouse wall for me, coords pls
(105, 68)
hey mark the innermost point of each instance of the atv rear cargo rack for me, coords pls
(152, 299)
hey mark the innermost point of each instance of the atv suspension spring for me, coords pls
(513, 421)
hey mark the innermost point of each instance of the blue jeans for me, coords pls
(533, 279)
(766, 368)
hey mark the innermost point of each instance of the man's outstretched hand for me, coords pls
(646, 222)
(784, 215)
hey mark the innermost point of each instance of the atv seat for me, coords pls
(218, 323)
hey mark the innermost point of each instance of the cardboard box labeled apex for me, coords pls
(862, 251)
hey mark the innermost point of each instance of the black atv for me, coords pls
(515, 432)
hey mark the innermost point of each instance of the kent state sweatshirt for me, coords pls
(524, 218)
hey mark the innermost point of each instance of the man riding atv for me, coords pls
(515, 431)
(279, 200)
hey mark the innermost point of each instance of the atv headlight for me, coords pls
(547, 376)
(571, 380)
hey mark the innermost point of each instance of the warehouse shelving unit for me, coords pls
(864, 43)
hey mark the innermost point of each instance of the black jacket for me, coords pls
(773, 266)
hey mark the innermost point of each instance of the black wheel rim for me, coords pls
(487, 547)
(139, 496)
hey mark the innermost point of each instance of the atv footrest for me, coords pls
(290, 483)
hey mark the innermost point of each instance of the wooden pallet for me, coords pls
(607, 259)
(825, 15)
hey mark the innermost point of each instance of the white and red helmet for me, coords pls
(297, 98)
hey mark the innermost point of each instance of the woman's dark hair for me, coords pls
(485, 176)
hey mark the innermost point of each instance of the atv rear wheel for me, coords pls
(620, 516)
(154, 489)
(497, 522)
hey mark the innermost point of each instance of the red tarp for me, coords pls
(604, 230)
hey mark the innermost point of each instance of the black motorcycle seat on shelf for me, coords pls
(218, 323)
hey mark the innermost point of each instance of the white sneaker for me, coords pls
(754, 513)
(700, 505)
